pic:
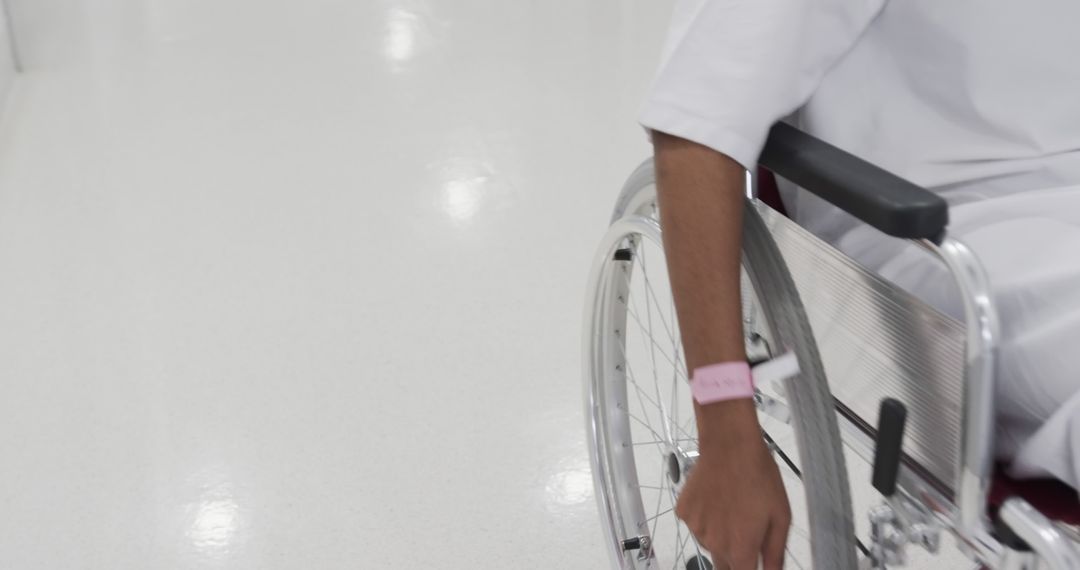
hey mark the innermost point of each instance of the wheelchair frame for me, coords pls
(904, 210)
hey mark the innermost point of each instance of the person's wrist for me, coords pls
(728, 424)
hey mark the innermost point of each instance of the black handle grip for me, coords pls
(890, 440)
(875, 196)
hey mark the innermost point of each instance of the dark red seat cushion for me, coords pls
(1051, 497)
(767, 190)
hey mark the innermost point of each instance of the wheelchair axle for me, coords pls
(679, 464)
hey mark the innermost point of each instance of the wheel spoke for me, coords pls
(697, 548)
(676, 349)
(655, 302)
(641, 393)
(792, 557)
(659, 496)
(678, 529)
(659, 447)
(674, 402)
(658, 514)
(642, 396)
(680, 367)
(684, 440)
(800, 532)
(678, 540)
(688, 425)
(666, 419)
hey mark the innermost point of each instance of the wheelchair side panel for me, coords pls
(878, 341)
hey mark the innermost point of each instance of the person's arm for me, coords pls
(734, 501)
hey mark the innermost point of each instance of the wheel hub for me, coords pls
(679, 464)
(674, 468)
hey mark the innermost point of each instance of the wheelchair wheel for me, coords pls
(639, 411)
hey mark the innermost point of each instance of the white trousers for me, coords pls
(1029, 244)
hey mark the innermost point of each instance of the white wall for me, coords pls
(7, 57)
(46, 31)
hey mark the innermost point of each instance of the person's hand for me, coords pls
(734, 501)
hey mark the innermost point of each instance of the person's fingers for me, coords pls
(772, 553)
(743, 562)
(704, 542)
(683, 511)
(695, 523)
(720, 563)
(711, 544)
(719, 555)
(744, 555)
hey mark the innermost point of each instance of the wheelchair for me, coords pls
(889, 389)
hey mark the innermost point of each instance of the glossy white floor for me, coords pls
(298, 284)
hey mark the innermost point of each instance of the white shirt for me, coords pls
(945, 93)
(978, 100)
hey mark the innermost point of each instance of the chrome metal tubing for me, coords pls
(1051, 546)
(631, 201)
(974, 471)
(594, 422)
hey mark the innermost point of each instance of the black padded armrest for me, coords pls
(879, 198)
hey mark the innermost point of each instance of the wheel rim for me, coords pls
(636, 418)
(618, 453)
(644, 410)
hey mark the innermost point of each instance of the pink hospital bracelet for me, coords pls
(734, 380)
(722, 382)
